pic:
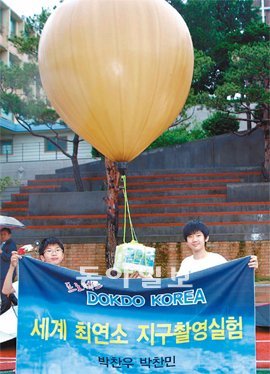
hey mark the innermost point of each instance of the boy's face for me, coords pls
(53, 254)
(196, 241)
(5, 235)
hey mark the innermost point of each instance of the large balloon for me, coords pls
(118, 72)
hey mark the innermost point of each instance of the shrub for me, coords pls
(178, 135)
(7, 182)
(96, 153)
(220, 123)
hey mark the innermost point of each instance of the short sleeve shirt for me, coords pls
(191, 265)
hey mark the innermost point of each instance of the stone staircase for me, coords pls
(6, 194)
(161, 202)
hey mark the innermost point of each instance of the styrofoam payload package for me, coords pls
(134, 256)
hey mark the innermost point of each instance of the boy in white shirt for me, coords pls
(196, 234)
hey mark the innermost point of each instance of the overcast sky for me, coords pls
(30, 7)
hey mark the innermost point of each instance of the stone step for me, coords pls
(99, 219)
(41, 188)
(70, 220)
(190, 211)
(86, 171)
(177, 198)
(67, 234)
(68, 184)
(15, 204)
(196, 207)
(142, 185)
(147, 232)
(229, 231)
(14, 211)
(174, 191)
(6, 194)
(54, 180)
(261, 216)
(20, 196)
(138, 180)
(48, 177)
(262, 293)
(147, 199)
(19, 200)
(69, 175)
(148, 176)
(145, 182)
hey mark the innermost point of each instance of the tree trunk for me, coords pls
(266, 166)
(75, 165)
(249, 118)
(77, 174)
(113, 176)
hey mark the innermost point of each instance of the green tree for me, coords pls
(245, 91)
(28, 41)
(217, 27)
(232, 35)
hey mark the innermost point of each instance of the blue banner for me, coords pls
(69, 323)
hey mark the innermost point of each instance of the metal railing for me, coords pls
(37, 152)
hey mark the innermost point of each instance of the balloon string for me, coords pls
(127, 211)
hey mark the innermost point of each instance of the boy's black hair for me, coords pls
(7, 229)
(47, 241)
(194, 226)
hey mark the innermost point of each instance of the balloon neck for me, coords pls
(122, 167)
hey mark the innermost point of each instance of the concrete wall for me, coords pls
(23, 171)
(222, 151)
(248, 192)
(69, 203)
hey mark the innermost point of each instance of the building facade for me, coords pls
(17, 146)
(10, 25)
(264, 6)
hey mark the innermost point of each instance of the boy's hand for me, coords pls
(134, 275)
(137, 275)
(14, 259)
(253, 262)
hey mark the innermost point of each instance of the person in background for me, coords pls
(8, 245)
(196, 234)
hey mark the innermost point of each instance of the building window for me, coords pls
(6, 147)
(13, 27)
(1, 21)
(50, 147)
(13, 60)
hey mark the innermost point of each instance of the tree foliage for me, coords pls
(220, 123)
(230, 34)
(28, 41)
(218, 27)
(245, 81)
(179, 135)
